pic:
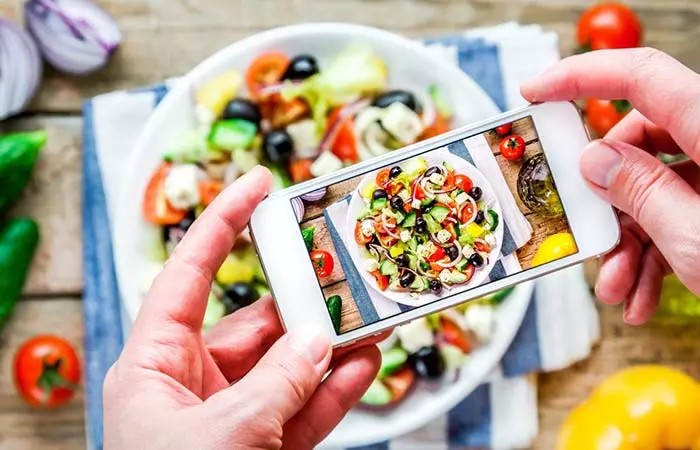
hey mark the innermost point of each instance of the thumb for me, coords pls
(655, 196)
(285, 377)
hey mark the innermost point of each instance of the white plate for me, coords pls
(410, 64)
(434, 158)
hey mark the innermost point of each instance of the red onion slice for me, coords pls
(20, 68)
(298, 207)
(315, 195)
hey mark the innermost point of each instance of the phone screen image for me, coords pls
(434, 225)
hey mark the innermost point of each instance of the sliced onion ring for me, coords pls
(315, 196)
(299, 210)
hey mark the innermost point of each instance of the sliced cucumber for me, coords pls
(409, 220)
(392, 360)
(388, 268)
(377, 394)
(232, 134)
(439, 213)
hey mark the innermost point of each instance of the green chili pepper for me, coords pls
(18, 155)
(308, 235)
(18, 242)
(335, 306)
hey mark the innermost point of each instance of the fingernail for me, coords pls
(311, 342)
(600, 163)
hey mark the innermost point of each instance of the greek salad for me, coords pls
(300, 118)
(432, 349)
(424, 229)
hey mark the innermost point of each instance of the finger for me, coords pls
(637, 130)
(179, 293)
(660, 87)
(654, 195)
(340, 353)
(618, 272)
(644, 299)
(338, 393)
(238, 341)
(282, 382)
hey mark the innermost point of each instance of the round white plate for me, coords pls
(433, 158)
(362, 427)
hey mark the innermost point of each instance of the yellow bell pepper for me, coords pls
(216, 94)
(642, 408)
(234, 270)
(554, 247)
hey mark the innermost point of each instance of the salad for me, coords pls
(299, 118)
(432, 348)
(424, 228)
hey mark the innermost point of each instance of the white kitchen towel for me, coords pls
(559, 327)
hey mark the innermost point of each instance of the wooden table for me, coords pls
(166, 38)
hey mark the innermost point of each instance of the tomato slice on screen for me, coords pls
(360, 238)
(382, 280)
(467, 213)
(464, 183)
(383, 177)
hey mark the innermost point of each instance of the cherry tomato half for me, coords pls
(382, 177)
(156, 208)
(46, 371)
(464, 183)
(400, 383)
(323, 262)
(440, 126)
(265, 70)
(602, 115)
(209, 189)
(609, 26)
(482, 247)
(454, 335)
(300, 170)
(418, 192)
(344, 146)
(360, 238)
(504, 129)
(438, 255)
(382, 280)
(513, 147)
(467, 213)
(387, 240)
(449, 180)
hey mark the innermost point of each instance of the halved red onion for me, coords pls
(20, 68)
(75, 36)
(299, 209)
(315, 195)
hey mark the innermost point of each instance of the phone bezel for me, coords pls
(293, 282)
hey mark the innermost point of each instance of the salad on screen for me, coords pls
(424, 228)
(298, 117)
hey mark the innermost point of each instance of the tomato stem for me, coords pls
(51, 378)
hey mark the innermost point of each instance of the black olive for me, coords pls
(396, 202)
(453, 252)
(395, 172)
(240, 108)
(421, 226)
(435, 286)
(479, 219)
(402, 260)
(427, 363)
(476, 193)
(239, 295)
(175, 233)
(300, 68)
(426, 208)
(407, 279)
(398, 96)
(379, 194)
(278, 146)
(476, 260)
(375, 240)
(431, 171)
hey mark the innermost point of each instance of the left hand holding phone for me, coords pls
(172, 385)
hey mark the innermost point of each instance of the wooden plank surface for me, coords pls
(166, 38)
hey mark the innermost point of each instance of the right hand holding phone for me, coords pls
(660, 205)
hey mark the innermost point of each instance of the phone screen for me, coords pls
(434, 225)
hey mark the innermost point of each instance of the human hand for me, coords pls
(660, 205)
(171, 387)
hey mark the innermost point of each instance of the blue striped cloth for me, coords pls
(112, 123)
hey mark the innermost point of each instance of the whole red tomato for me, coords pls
(504, 129)
(513, 147)
(323, 263)
(46, 371)
(602, 115)
(608, 26)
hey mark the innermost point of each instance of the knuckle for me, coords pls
(292, 377)
(641, 181)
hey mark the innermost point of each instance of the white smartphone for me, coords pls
(433, 225)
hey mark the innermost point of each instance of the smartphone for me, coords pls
(433, 225)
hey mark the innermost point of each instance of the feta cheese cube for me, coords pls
(490, 239)
(371, 265)
(445, 275)
(367, 228)
(415, 335)
(404, 124)
(305, 138)
(181, 186)
(405, 235)
(437, 179)
(480, 319)
(326, 163)
(426, 250)
(443, 236)
(405, 196)
(204, 115)
(467, 251)
(415, 204)
(462, 198)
